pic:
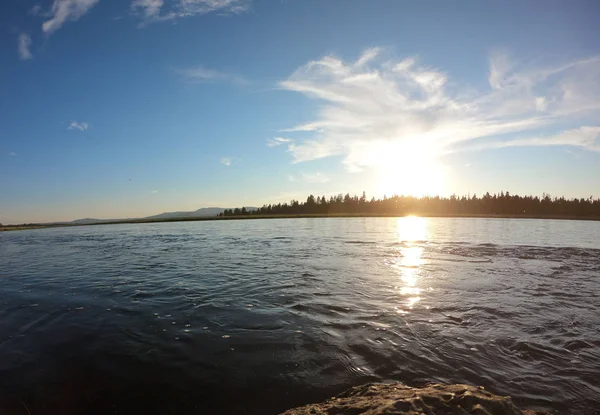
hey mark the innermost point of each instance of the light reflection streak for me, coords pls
(412, 232)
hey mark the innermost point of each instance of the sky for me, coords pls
(129, 108)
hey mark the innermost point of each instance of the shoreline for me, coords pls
(7, 228)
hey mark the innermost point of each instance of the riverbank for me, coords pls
(289, 216)
(22, 227)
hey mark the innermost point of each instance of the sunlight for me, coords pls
(411, 231)
(410, 263)
(409, 169)
(411, 228)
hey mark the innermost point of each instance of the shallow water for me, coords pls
(262, 315)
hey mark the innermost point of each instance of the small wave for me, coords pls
(360, 242)
(493, 312)
(533, 351)
(574, 345)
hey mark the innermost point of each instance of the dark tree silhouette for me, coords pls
(502, 203)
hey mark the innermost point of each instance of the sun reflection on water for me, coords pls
(411, 229)
(412, 232)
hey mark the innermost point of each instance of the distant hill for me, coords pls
(91, 221)
(86, 221)
(202, 212)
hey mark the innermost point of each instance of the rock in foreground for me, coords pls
(398, 399)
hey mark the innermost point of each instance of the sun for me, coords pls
(409, 169)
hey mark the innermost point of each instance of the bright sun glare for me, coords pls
(411, 232)
(409, 169)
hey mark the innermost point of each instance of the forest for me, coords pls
(500, 204)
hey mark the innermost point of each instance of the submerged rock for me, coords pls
(399, 399)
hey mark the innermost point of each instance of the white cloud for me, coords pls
(83, 126)
(300, 128)
(541, 104)
(147, 9)
(23, 46)
(65, 10)
(309, 178)
(587, 137)
(500, 67)
(367, 56)
(201, 74)
(154, 10)
(277, 141)
(12, 154)
(191, 7)
(226, 161)
(154, 192)
(376, 109)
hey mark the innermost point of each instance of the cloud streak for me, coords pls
(374, 106)
(23, 46)
(584, 137)
(201, 74)
(147, 9)
(78, 126)
(277, 141)
(151, 11)
(226, 161)
(66, 10)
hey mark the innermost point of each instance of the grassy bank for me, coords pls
(21, 227)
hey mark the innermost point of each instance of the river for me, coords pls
(257, 316)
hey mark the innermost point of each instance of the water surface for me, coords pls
(262, 315)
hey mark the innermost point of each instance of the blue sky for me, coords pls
(130, 108)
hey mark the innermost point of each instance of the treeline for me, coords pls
(503, 203)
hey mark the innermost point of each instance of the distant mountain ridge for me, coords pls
(88, 220)
(200, 213)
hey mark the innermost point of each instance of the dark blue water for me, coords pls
(258, 316)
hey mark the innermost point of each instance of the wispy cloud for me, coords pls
(201, 74)
(66, 10)
(12, 154)
(373, 106)
(151, 11)
(147, 9)
(300, 128)
(309, 178)
(23, 46)
(36, 10)
(83, 126)
(583, 137)
(154, 192)
(226, 161)
(500, 67)
(277, 141)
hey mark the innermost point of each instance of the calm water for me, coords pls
(259, 316)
